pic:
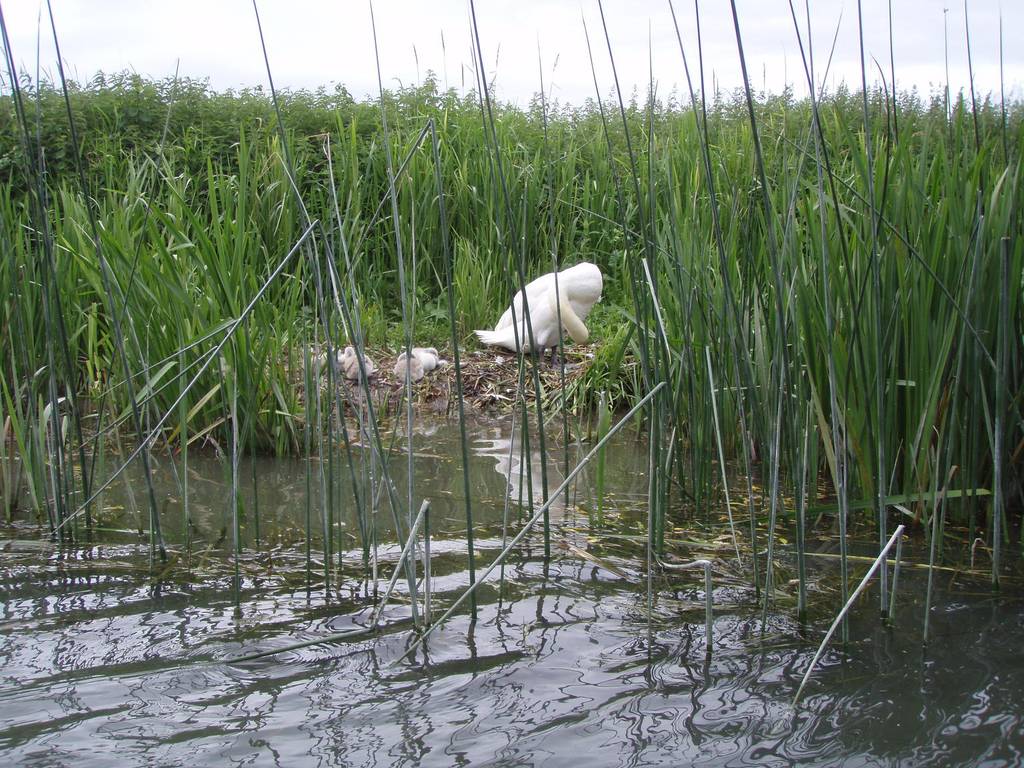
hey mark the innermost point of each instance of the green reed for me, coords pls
(828, 286)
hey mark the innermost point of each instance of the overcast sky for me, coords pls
(313, 43)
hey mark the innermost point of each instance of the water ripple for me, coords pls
(563, 671)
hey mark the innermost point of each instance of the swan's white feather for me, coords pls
(580, 287)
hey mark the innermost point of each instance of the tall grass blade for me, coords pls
(456, 358)
(849, 603)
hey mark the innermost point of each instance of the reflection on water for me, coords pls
(524, 470)
(274, 490)
(103, 664)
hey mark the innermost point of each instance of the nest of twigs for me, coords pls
(490, 380)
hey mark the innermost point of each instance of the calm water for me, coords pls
(102, 663)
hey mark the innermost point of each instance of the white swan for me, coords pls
(579, 289)
(414, 364)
